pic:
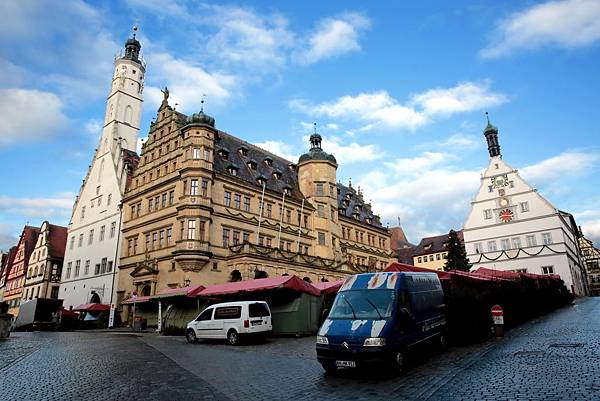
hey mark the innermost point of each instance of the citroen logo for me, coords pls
(345, 344)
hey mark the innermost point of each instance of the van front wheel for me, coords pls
(191, 336)
(233, 337)
(399, 361)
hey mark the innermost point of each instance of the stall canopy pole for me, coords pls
(159, 329)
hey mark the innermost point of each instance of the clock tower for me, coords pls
(512, 227)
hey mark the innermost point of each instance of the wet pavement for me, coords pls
(554, 357)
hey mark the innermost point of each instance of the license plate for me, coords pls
(256, 322)
(345, 364)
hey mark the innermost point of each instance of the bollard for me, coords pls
(498, 316)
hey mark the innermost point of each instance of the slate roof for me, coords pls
(429, 245)
(351, 202)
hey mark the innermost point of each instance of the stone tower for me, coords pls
(317, 180)
(93, 233)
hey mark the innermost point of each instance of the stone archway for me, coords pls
(235, 275)
(95, 299)
(146, 290)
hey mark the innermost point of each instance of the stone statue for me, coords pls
(165, 94)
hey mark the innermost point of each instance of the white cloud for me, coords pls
(56, 209)
(93, 127)
(187, 83)
(567, 164)
(564, 24)
(29, 115)
(280, 149)
(9, 236)
(589, 220)
(420, 164)
(380, 110)
(462, 142)
(333, 37)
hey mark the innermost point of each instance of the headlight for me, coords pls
(374, 342)
(322, 340)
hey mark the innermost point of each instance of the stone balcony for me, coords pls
(192, 255)
(194, 200)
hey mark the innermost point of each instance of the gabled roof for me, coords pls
(438, 243)
(30, 235)
(57, 241)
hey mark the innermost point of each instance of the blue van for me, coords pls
(377, 317)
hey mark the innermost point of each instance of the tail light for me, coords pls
(246, 323)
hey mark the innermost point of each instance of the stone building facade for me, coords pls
(432, 252)
(206, 207)
(45, 264)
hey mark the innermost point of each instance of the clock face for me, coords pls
(503, 202)
(500, 181)
(506, 215)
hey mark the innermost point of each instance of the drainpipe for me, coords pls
(115, 264)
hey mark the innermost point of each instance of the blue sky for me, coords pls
(398, 90)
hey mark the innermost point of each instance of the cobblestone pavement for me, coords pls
(551, 358)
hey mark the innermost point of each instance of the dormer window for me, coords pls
(356, 215)
(287, 191)
(251, 165)
(277, 175)
(224, 153)
(243, 151)
(232, 170)
(368, 220)
(261, 181)
(268, 161)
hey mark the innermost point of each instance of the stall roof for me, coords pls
(137, 300)
(176, 292)
(92, 307)
(261, 284)
(483, 271)
(329, 287)
(401, 267)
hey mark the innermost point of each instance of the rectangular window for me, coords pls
(269, 242)
(431, 258)
(86, 269)
(246, 237)
(247, 203)
(227, 198)
(547, 269)
(206, 155)
(530, 240)
(438, 257)
(321, 238)
(109, 267)
(547, 238)
(504, 244)
(161, 239)
(169, 235)
(490, 188)
(237, 198)
(487, 214)
(154, 240)
(204, 188)
(320, 189)
(150, 206)
(191, 229)
(91, 237)
(305, 221)
(321, 210)
(171, 198)
(288, 216)
(68, 274)
(269, 210)
(72, 243)
(194, 187)
(82, 212)
(196, 153)
(164, 200)
(97, 269)
(103, 265)
(516, 243)
(236, 237)
(148, 245)
(524, 206)
(129, 247)
(80, 242)
(419, 260)
(77, 268)
(225, 237)
(157, 202)
(102, 231)
(113, 229)
(478, 248)
(261, 240)
(492, 246)
(108, 199)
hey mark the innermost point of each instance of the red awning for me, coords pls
(137, 300)
(401, 267)
(177, 292)
(68, 313)
(329, 287)
(493, 273)
(261, 284)
(92, 307)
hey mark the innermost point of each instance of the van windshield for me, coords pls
(363, 304)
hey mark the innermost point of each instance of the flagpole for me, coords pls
(281, 220)
(300, 224)
(260, 214)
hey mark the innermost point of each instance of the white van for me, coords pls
(231, 320)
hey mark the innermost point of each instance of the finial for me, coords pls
(135, 28)
(350, 182)
(202, 103)
(176, 104)
(487, 115)
(399, 222)
(315, 127)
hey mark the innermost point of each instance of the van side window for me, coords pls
(206, 315)
(229, 312)
(258, 310)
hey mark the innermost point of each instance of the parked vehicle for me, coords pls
(377, 317)
(231, 321)
(39, 313)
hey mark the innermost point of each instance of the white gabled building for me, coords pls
(91, 255)
(512, 227)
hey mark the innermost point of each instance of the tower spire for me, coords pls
(133, 47)
(491, 136)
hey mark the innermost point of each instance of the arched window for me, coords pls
(260, 274)
(307, 279)
(235, 276)
(95, 299)
(128, 114)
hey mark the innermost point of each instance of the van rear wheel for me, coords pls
(399, 361)
(443, 342)
(233, 337)
(190, 336)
